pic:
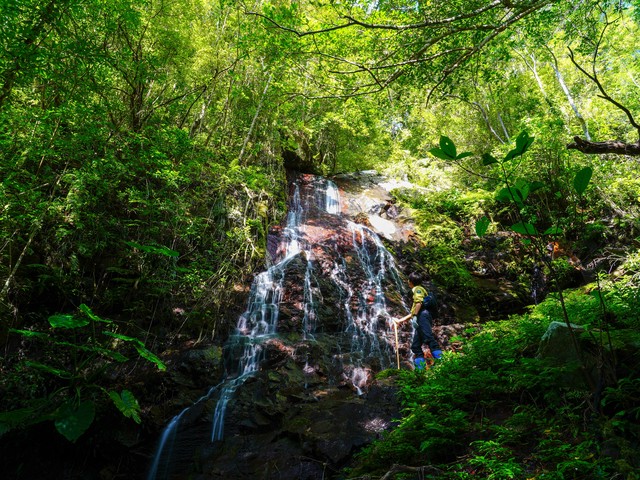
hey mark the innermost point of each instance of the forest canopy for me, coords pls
(145, 147)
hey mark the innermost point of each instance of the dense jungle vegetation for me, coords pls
(144, 152)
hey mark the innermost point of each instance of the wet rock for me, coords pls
(314, 436)
(500, 296)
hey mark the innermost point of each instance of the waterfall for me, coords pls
(364, 308)
(377, 264)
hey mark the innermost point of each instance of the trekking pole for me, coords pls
(395, 327)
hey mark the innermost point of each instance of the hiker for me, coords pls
(421, 322)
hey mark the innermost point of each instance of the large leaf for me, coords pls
(463, 155)
(582, 179)
(437, 152)
(23, 417)
(597, 294)
(535, 185)
(523, 142)
(127, 404)
(72, 421)
(89, 313)
(112, 354)
(146, 354)
(67, 321)
(447, 150)
(488, 159)
(511, 194)
(125, 338)
(448, 147)
(553, 231)
(10, 420)
(29, 333)
(524, 228)
(49, 369)
(482, 225)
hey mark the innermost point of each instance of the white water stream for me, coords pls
(365, 307)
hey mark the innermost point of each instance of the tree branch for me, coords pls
(611, 146)
(351, 21)
(437, 31)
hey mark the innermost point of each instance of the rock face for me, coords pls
(300, 395)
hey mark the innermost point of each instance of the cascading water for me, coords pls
(254, 326)
(378, 266)
(364, 309)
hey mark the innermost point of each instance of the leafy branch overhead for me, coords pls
(431, 40)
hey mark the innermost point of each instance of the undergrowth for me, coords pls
(497, 410)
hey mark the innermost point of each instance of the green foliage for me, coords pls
(582, 179)
(441, 253)
(495, 410)
(72, 421)
(447, 150)
(482, 225)
(492, 460)
(86, 340)
(127, 404)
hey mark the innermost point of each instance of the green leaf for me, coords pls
(127, 403)
(553, 231)
(511, 194)
(161, 250)
(24, 417)
(511, 154)
(524, 228)
(436, 152)
(523, 142)
(49, 369)
(89, 313)
(73, 421)
(504, 195)
(117, 356)
(67, 321)
(464, 155)
(482, 225)
(125, 338)
(596, 294)
(10, 420)
(448, 147)
(488, 159)
(29, 333)
(582, 179)
(146, 354)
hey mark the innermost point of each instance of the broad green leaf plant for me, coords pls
(93, 346)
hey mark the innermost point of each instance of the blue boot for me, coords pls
(420, 363)
(437, 354)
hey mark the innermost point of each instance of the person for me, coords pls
(422, 322)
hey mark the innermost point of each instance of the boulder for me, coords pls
(577, 366)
